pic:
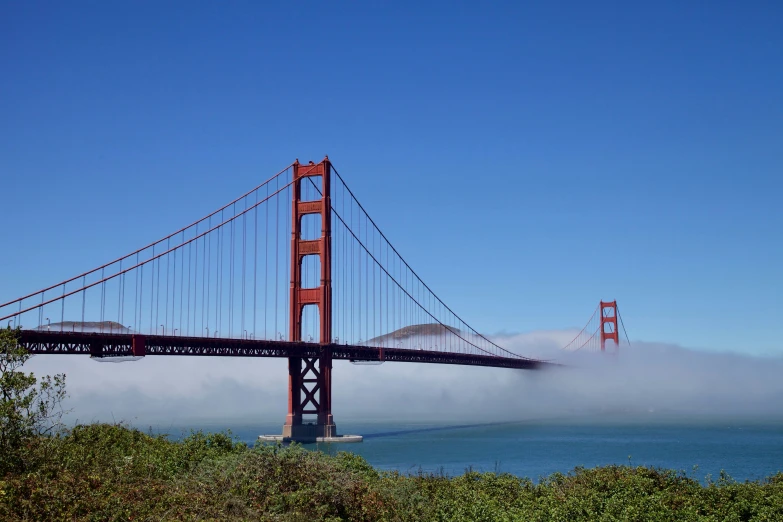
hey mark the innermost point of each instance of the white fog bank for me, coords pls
(644, 381)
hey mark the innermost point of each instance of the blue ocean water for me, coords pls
(746, 450)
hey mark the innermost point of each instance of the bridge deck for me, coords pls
(115, 345)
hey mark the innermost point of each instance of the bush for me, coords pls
(103, 472)
(114, 472)
(28, 408)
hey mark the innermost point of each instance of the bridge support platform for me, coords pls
(317, 440)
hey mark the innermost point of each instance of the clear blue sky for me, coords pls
(527, 160)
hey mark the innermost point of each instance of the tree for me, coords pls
(30, 411)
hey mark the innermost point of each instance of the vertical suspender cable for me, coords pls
(266, 263)
(255, 264)
(182, 281)
(208, 265)
(119, 297)
(277, 255)
(191, 283)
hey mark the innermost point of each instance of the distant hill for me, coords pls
(428, 329)
(87, 326)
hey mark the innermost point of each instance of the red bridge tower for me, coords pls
(609, 324)
(310, 388)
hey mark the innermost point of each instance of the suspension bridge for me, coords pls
(294, 268)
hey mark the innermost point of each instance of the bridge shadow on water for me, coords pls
(434, 428)
(447, 428)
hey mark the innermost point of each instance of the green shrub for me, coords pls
(105, 472)
(114, 472)
(28, 407)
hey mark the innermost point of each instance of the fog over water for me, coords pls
(646, 381)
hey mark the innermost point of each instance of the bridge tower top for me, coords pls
(321, 296)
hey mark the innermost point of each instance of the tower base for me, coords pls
(335, 439)
(310, 433)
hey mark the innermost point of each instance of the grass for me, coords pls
(106, 472)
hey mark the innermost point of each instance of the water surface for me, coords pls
(746, 450)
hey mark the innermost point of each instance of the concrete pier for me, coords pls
(308, 440)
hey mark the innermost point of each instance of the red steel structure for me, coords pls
(216, 288)
(310, 388)
(609, 330)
